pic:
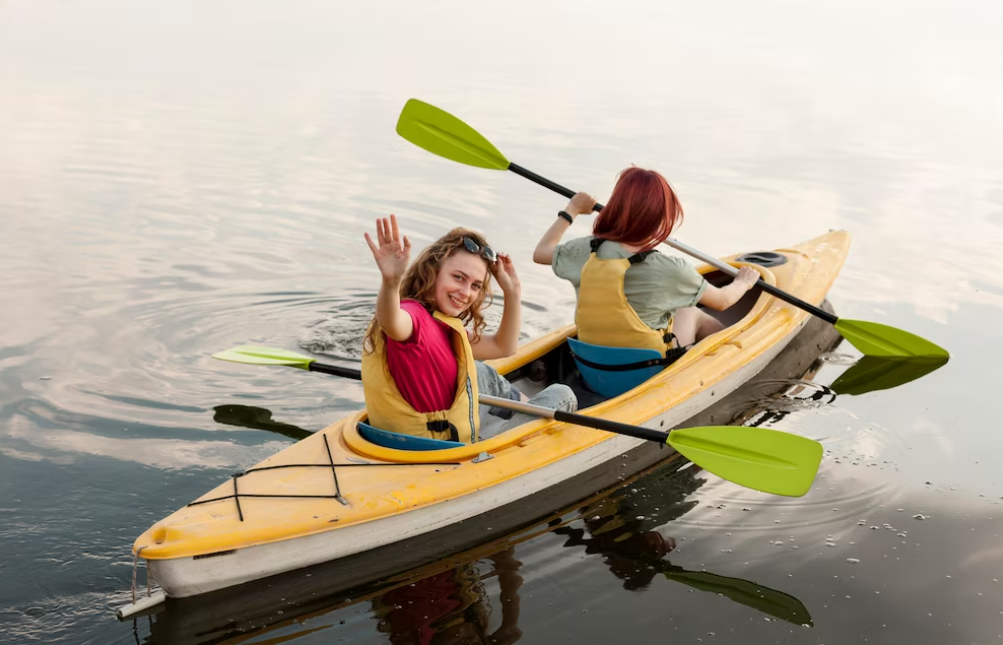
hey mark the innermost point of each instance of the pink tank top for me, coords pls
(424, 366)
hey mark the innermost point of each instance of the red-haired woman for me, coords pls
(629, 295)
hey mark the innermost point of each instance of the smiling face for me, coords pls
(459, 282)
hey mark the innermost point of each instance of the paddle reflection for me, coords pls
(873, 373)
(247, 416)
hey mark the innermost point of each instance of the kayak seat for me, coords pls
(611, 371)
(388, 439)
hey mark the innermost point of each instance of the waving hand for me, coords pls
(392, 255)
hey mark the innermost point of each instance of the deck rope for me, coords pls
(337, 488)
(236, 496)
(330, 464)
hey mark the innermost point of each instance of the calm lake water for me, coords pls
(178, 178)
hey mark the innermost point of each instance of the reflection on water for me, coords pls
(451, 607)
(873, 373)
(622, 526)
(474, 597)
(799, 395)
(248, 416)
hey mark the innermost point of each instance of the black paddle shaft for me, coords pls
(615, 427)
(768, 288)
(546, 183)
(335, 370)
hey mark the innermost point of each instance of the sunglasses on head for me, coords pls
(485, 251)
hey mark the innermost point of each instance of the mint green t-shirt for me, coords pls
(654, 288)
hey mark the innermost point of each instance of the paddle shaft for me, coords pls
(576, 419)
(676, 244)
(768, 288)
(335, 370)
(535, 410)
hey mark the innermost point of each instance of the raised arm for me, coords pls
(579, 204)
(392, 257)
(720, 298)
(505, 341)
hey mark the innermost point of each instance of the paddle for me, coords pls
(443, 134)
(759, 458)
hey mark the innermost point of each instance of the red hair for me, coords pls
(642, 211)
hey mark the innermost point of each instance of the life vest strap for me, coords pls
(639, 257)
(444, 426)
(596, 242)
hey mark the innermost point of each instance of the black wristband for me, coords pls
(567, 216)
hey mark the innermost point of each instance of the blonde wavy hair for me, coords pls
(419, 282)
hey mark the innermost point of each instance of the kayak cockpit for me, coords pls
(549, 360)
(559, 365)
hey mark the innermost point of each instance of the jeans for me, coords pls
(556, 397)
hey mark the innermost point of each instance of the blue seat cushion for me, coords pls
(613, 383)
(400, 441)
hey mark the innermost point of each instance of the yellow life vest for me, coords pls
(388, 410)
(604, 317)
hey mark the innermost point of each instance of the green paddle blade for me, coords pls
(255, 355)
(759, 458)
(769, 601)
(872, 373)
(875, 339)
(441, 133)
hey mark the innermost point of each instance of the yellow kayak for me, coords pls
(335, 494)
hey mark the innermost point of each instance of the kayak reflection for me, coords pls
(448, 601)
(452, 606)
